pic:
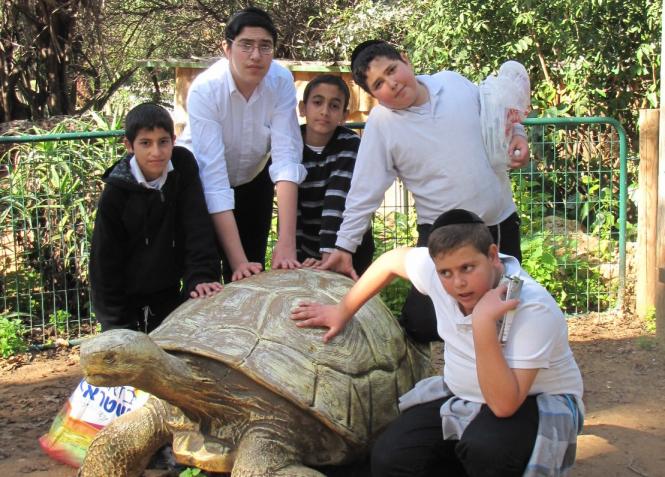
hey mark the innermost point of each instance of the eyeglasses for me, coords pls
(248, 47)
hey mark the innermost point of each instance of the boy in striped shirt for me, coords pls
(329, 156)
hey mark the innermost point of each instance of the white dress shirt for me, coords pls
(232, 138)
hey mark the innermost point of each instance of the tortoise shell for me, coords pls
(351, 383)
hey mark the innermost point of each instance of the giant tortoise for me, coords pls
(237, 387)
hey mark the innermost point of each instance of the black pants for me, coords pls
(418, 317)
(146, 312)
(253, 213)
(413, 444)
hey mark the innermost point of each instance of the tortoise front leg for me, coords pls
(124, 447)
(264, 453)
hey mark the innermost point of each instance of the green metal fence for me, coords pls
(571, 199)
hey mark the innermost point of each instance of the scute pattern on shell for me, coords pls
(248, 327)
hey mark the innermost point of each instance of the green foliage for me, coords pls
(570, 279)
(647, 343)
(190, 472)
(588, 57)
(338, 27)
(60, 321)
(47, 209)
(650, 320)
(395, 229)
(12, 335)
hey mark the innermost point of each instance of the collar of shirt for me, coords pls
(233, 88)
(435, 89)
(140, 178)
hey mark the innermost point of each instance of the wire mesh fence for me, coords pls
(571, 200)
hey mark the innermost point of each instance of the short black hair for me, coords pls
(328, 79)
(365, 53)
(147, 116)
(249, 17)
(457, 228)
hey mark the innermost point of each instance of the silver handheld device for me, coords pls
(514, 284)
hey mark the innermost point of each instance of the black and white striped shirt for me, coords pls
(322, 195)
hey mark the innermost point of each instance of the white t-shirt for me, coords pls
(437, 150)
(232, 137)
(538, 337)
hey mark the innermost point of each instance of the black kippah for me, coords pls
(454, 217)
(361, 47)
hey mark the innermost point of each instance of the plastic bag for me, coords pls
(504, 102)
(88, 409)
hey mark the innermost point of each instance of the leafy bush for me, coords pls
(575, 70)
(574, 284)
(395, 229)
(191, 472)
(60, 321)
(338, 28)
(12, 333)
(47, 209)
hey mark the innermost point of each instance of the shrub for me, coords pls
(12, 333)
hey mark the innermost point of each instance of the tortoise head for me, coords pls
(119, 357)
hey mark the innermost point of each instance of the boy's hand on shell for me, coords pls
(204, 290)
(341, 262)
(245, 270)
(311, 263)
(284, 257)
(316, 315)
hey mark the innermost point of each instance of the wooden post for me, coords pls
(647, 272)
(660, 246)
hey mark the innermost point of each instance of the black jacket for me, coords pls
(146, 241)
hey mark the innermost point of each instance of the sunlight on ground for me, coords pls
(589, 446)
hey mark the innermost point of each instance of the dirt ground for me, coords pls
(622, 365)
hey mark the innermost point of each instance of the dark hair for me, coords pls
(365, 53)
(457, 228)
(328, 79)
(147, 116)
(249, 17)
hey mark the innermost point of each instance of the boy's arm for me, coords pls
(286, 170)
(201, 259)
(384, 270)
(227, 233)
(372, 175)
(503, 388)
(284, 255)
(209, 150)
(286, 144)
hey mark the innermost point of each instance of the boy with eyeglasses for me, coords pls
(244, 133)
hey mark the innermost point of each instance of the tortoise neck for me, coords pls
(172, 378)
(183, 383)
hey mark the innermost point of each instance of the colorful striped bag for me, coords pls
(87, 410)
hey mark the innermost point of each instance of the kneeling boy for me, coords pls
(508, 410)
(152, 229)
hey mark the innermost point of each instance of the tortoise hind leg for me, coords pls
(262, 453)
(124, 447)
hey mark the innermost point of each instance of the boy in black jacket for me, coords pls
(152, 230)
